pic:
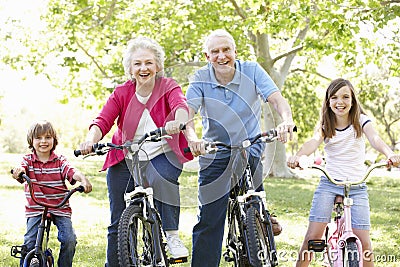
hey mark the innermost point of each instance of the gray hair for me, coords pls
(143, 43)
(218, 33)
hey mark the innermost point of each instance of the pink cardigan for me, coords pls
(123, 105)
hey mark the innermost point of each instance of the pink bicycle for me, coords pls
(341, 246)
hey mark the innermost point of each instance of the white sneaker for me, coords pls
(176, 247)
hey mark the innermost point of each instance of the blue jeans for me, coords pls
(214, 187)
(324, 196)
(66, 236)
(161, 173)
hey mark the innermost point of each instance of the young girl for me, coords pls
(44, 166)
(341, 128)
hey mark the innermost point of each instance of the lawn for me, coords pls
(289, 199)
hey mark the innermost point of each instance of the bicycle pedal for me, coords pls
(227, 257)
(317, 245)
(21, 250)
(178, 260)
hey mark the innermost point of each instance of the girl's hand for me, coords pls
(395, 159)
(293, 162)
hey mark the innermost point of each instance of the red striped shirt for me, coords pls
(54, 172)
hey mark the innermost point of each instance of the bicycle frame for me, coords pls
(143, 198)
(255, 242)
(337, 240)
(41, 251)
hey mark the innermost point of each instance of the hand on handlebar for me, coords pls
(16, 173)
(283, 129)
(173, 127)
(303, 161)
(197, 147)
(394, 160)
(293, 162)
(86, 147)
(86, 185)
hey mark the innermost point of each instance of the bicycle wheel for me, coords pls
(235, 239)
(35, 261)
(135, 246)
(260, 252)
(351, 255)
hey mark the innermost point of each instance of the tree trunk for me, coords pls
(274, 158)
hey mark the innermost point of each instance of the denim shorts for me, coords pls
(324, 196)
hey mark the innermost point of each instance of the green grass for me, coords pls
(289, 199)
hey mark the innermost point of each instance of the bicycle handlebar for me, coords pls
(25, 177)
(131, 146)
(306, 164)
(268, 137)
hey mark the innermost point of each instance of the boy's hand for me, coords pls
(17, 171)
(78, 176)
(86, 184)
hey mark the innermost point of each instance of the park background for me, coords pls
(60, 60)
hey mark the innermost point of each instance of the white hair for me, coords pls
(218, 33)
(143, 43)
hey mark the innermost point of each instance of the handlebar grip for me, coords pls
(80, 189)
(21, 179)
(77, 153)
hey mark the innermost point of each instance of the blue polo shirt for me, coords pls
(231, 113)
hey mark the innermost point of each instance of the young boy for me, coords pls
(44, 166)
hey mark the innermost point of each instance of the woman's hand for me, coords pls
(86, 147)
(173, 127)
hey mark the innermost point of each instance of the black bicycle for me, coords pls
(250, 238)
(41, 255)
(140, 235)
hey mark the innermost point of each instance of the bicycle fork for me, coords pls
(43, 254)
(338, 236)
(345, 235)
(144, 197)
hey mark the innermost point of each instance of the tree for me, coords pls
(288, 38)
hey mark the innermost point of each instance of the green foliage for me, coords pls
(81, 44)
(305, 103)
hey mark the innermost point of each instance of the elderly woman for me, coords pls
(143, 103)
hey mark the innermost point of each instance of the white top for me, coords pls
(146, 124)
(345, 154)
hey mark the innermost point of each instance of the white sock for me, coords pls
(171, 233)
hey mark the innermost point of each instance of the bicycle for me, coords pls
(341, 246)
(41, 255)
(250, 239)
(140, 235)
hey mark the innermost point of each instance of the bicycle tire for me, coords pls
(257, 239)
(135, 240)
(352, 257)
(236, 239)
(135, 246)
(34, 261)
